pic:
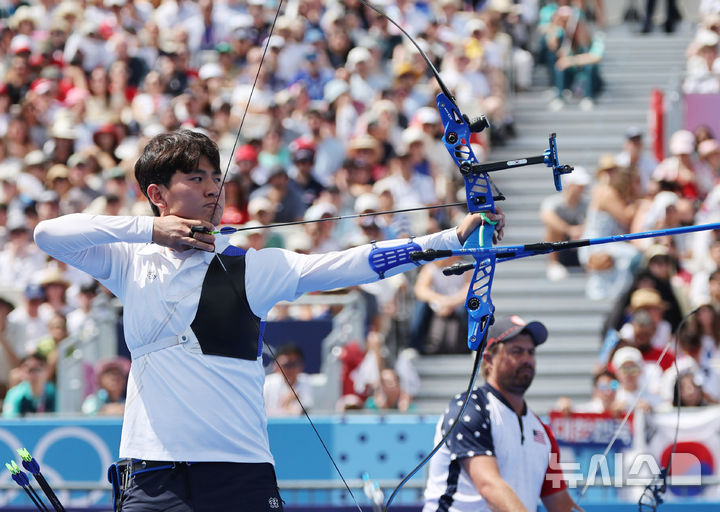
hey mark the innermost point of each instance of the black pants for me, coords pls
(204, 486)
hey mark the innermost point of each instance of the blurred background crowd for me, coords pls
(341, 120)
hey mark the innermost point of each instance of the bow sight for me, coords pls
(549, 158)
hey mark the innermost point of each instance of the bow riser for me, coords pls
(456, 137)
(478, 304)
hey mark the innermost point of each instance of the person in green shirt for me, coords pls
(579, 62)
(35, 394)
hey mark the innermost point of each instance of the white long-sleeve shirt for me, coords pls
(183, 405)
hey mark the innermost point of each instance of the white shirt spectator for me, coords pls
(279, 398)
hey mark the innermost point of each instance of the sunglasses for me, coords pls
(608, 386)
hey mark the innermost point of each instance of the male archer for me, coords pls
(194, 308)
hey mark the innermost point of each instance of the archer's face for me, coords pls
(194, 195)
(513, 367)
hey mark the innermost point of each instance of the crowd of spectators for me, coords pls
(654, 283)
(341, 120)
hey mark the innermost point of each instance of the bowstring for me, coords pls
(453, 425)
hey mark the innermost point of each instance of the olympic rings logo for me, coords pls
(54, 475)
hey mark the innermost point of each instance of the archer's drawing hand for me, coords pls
(175, 233)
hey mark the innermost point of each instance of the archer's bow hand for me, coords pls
(181, 234)
(473, 220)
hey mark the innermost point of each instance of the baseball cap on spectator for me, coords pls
(68, 8)
(656, 251)
(34, 291)
(20, 44)
(626, 355)
(106, 28)
(706, 38)
(711, 20)
(298, 241)
(708, 147)
(428, 115)
(606, 163)
(63, 129)
(303, 155)
(16, 223)
(34, 157)
(274, 42)
(56, 172)
(334, 89)
(475, 25)
(108, 129)
(77, 159)
(260, 204)
(41, 86)
(9, 170)
(644, 298)
(314, 35)
(320, 211)
(90, 28)
(210, 70)
(682, 142)
(507, 327)
(242, 33)
(7, 302)
(117, 364)
(503, 6)
(113, 173)
(246, 152)
(412, 135)
(357, 54)
(405, 68)
(48, 196)
(367, 202)
(76, 95)
(579, 176)
(223, 47)
(276, 170)
(302, 143)
(633, 132)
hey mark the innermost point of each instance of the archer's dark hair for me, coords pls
(172, 152)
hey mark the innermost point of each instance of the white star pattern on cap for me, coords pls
(459, 437)
(466, 418)
(471, 453)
